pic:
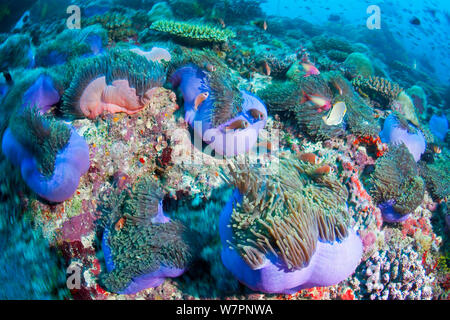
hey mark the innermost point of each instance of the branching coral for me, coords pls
(118, 81)
(142, 246)
(273, 229)
(192, 32)
(396, 185)
(51, 155)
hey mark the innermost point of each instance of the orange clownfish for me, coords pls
(199, 99)
(237, 124)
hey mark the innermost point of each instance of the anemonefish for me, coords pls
(199, 99)
(256, 114)
(237, 124)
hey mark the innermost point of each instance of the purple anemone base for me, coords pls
(330, 264)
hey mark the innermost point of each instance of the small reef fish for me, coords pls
(267, 68)
(323, 103)
(325, 169)
(238, 124)
(310, 69)
(436, 149)
(119, 224)
(308, 157)
(210, 67)
(256, 114)
(199, 99)
(261, 24)
(336, 114)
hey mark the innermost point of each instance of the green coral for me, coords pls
(396, 177)
(361, 63)
(437, 176)
(118, 25)
(192, 32)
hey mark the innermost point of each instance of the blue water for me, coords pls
(426, 44)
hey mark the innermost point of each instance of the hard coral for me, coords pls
(192, 32)
(379, 89)
(290, 231)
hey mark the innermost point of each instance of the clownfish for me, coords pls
(199, 99)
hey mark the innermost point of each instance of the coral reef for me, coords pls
(192, 32)
(379, 89)
(361, 63)
(118, 25)
(289, 231)
(396, 184)
(17, 52)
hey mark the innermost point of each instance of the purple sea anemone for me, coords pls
(52, 156)
(439, 126)
(229, 120)
(142, 246)
(42, 94)
(396, 132)
(276, 239)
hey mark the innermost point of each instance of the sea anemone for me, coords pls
(228, 119)
(51, 155)
(42, 94)
(289, 231)
(118, 81)
(397, 130)
(439, 126)
(141, 245)
(396, 185)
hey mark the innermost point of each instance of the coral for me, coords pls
(51, 155)
(419, 98)
(71, 43)
(277, 66)
(379, 89)
(439, 126)
(237, 10)
(326, 43)
(397, 130)
(229, 120)
(396, 185)
(30, 269)
(289, 231)
(118, 25)
(15, 52)
(141, 245)
(396, 274)
(192, 32)
(404, 105)
(437, 176)
(117, 81)
(160, 11)
(361, 63)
